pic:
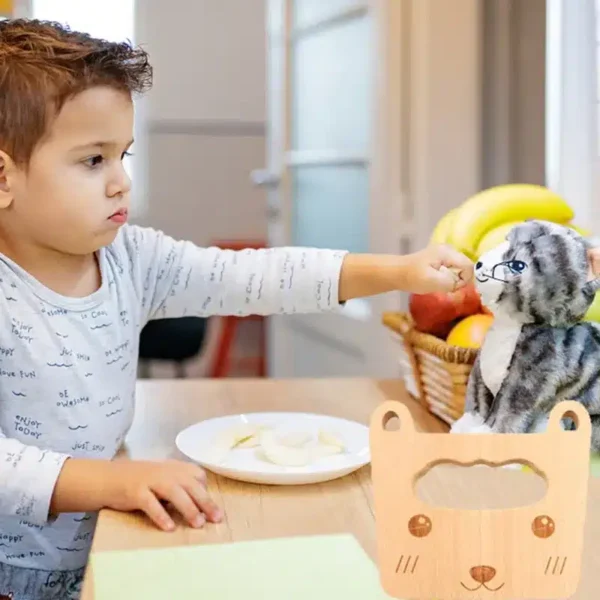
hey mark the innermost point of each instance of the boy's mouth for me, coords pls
(120, 216)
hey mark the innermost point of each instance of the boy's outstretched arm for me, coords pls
(177, 278)
(435, 269)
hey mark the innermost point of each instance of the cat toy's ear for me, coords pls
(590, 289)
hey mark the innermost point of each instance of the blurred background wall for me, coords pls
(207, 117)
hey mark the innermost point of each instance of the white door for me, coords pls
(323, 100)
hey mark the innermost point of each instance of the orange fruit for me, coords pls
(470, 332)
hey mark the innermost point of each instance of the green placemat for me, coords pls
(315, 568)
(595, 465)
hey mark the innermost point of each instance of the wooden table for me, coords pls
(258, 512)
(253, 512)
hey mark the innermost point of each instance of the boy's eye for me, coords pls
(94, 161)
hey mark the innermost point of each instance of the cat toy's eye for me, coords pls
(420, 526)
(516, 266)
(543, 526)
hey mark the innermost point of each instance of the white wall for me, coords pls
(206, 117)
(572, 95)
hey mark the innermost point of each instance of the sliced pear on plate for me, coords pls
(240, 436)
(279, 454)
(328, 438)
(253, 440)
(250, 441)
(326, 450)
(296, 439)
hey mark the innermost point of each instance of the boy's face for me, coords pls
(74, 194)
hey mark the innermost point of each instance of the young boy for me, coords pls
(77, 285)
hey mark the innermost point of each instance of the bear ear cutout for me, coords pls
(393, 417)
(391, 421)
(576, 413)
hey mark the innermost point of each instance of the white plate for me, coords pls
(197, 442)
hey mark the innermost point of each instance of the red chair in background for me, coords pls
(224, 360)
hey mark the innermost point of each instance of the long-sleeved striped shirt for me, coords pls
(68, 365)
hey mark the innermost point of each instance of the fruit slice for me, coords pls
(251, 441)
(297, 439)
(327, 438)
(240, 436)
(326, 450)
(504, 204)
(279, 454)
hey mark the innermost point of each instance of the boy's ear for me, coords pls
(6, 193)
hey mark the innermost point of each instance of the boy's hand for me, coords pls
(437, 269)
(594, 256)
(137, 485)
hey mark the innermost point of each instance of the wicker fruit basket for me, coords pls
(434, 372)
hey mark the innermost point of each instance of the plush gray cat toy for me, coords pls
(538, 352)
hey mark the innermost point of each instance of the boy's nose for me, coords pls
(119, 187)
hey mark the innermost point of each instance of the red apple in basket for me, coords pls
(437, 312)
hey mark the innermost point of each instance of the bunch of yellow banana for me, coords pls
(484, 220)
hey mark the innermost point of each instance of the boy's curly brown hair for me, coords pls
(43, 64)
